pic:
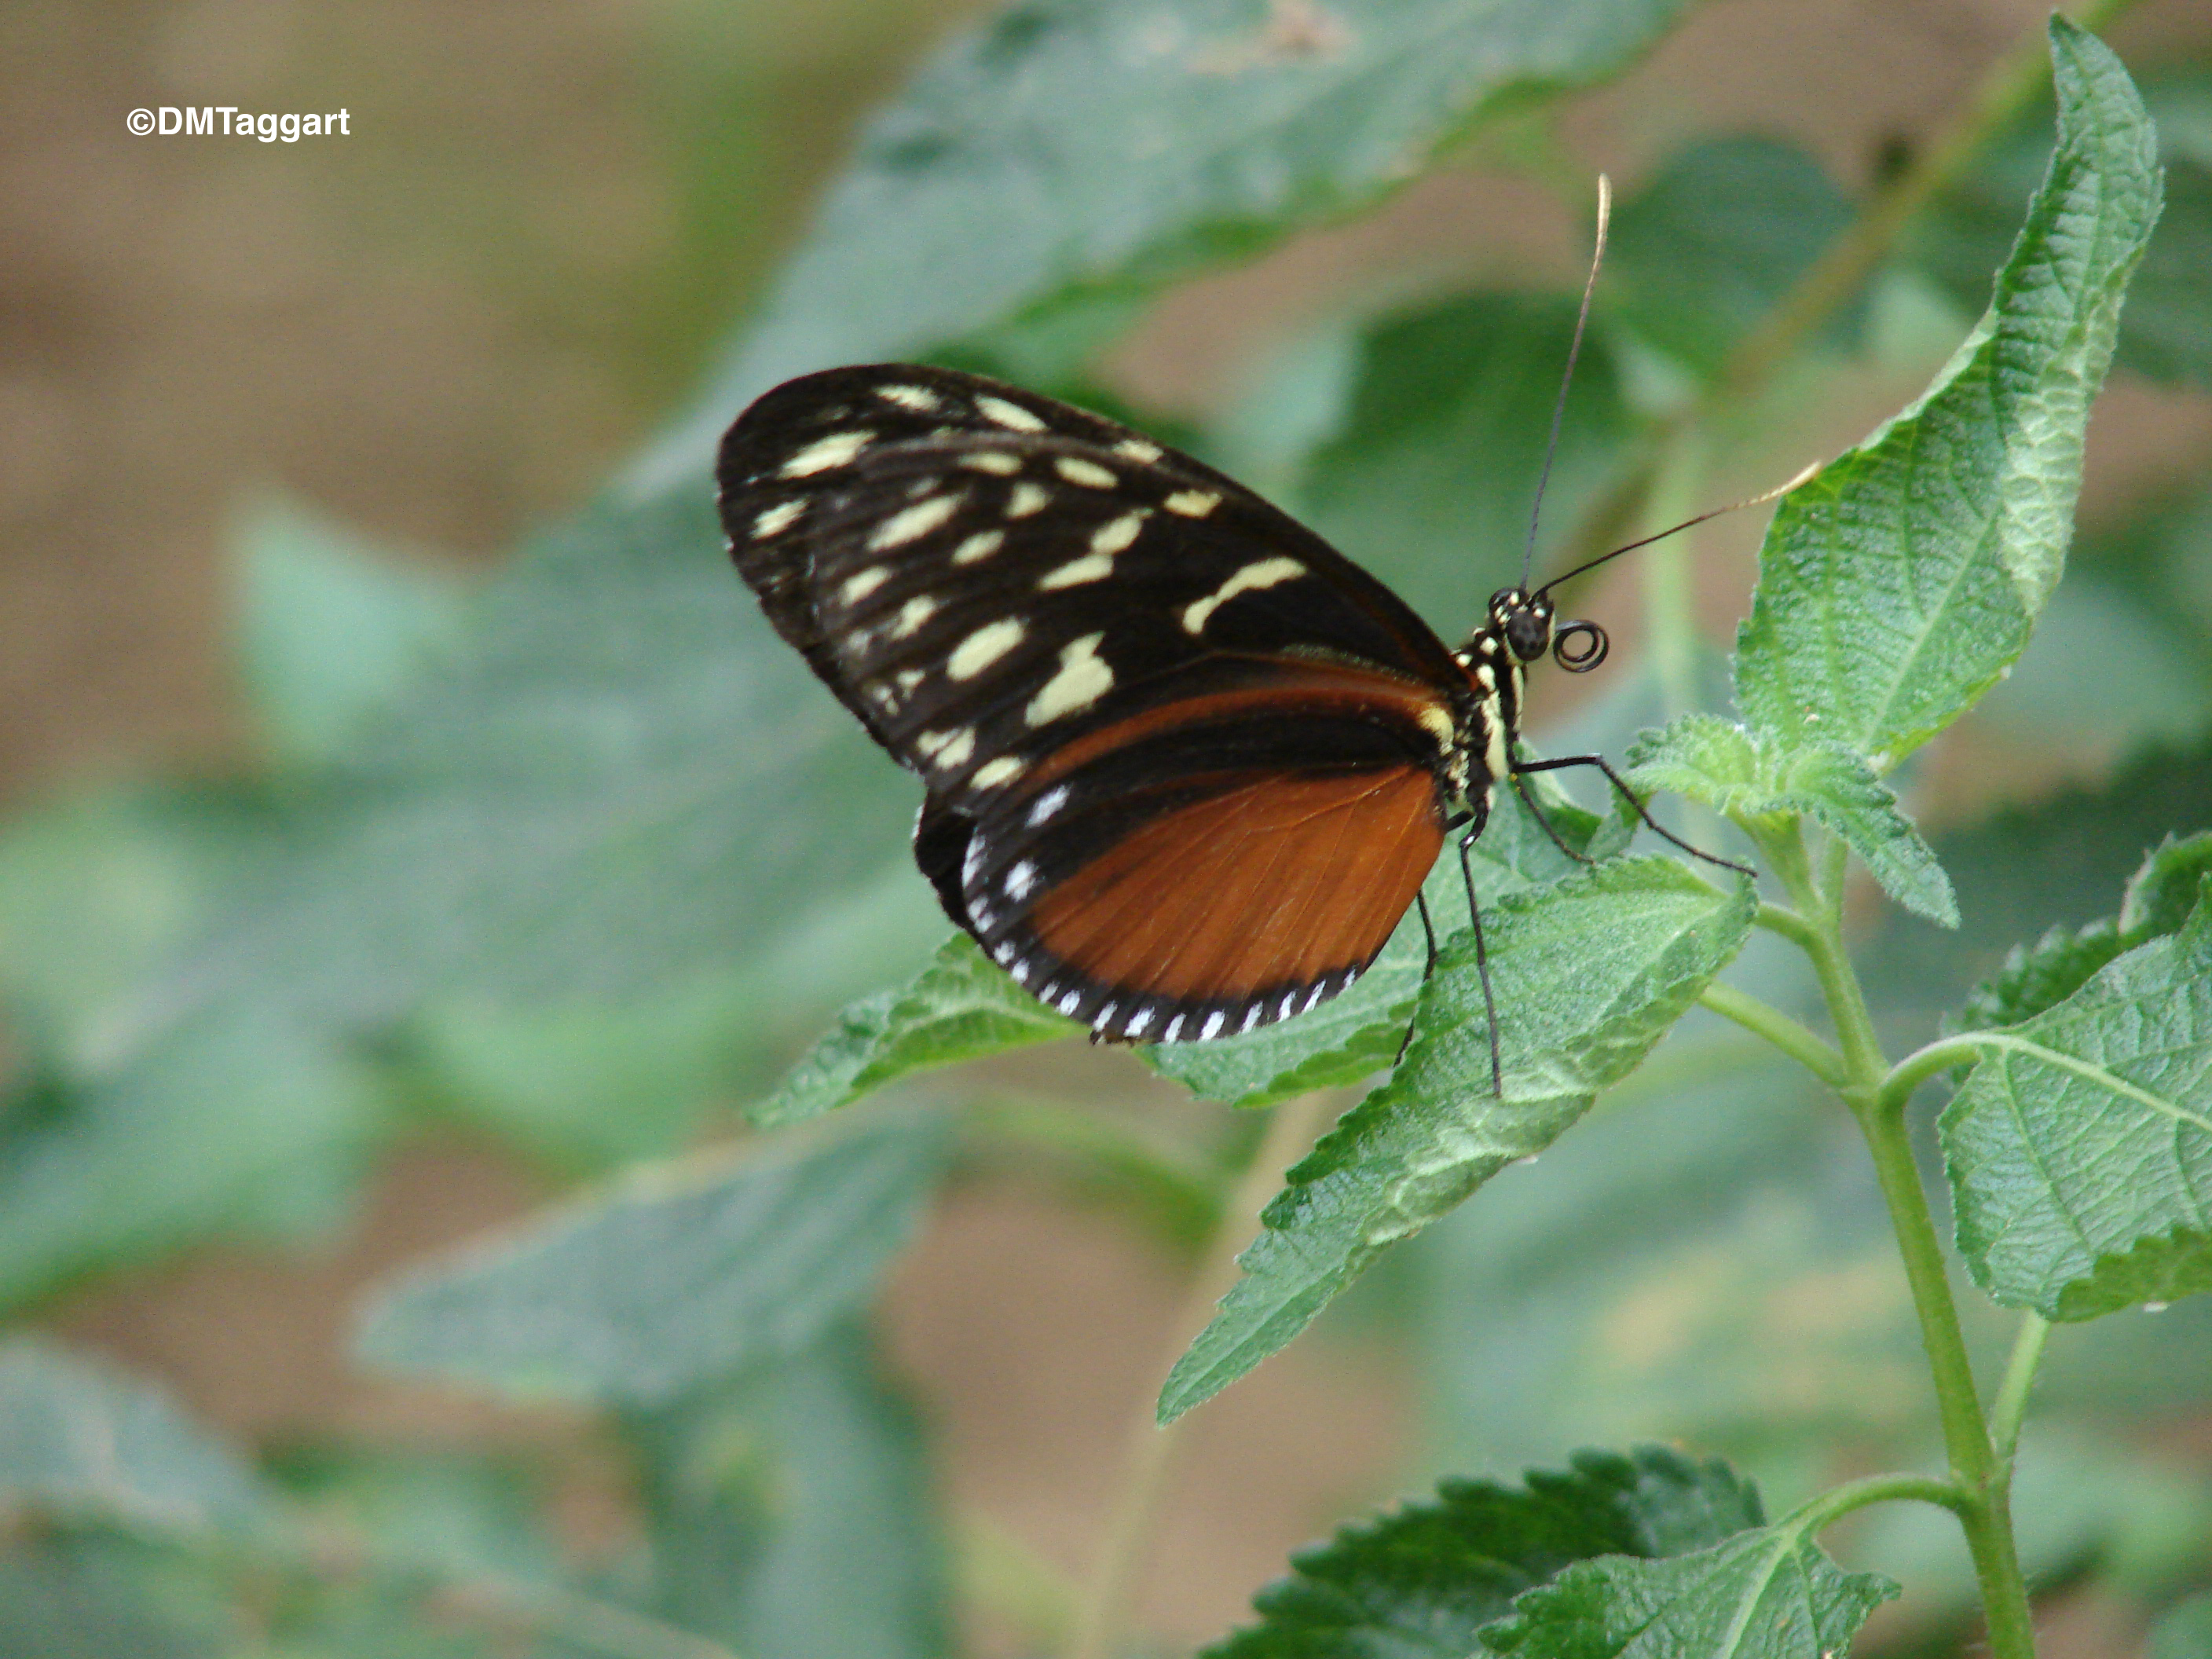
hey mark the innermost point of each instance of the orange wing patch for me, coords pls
(1277, 882)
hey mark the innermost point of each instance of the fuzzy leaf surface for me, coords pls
(1735, 772)
(1896, 587)
(962, 1007)
(1766, 1594)
(1420, 1580)
(1588, 974)
(2080, 1146)
(672, 1282)
(1068, 153)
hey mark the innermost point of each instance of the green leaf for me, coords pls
(2167, 334)
(2080, 1146)
(1072, 153)
(2158, 901)
(1428, 483)
(1766, 1594)
(1708, 247)
(962, 1007)
(331, 626)
(790, 1518)
(1588, 974)
(1750, 777)
(1420, 1580)
(681, 1278)
(1898, 586)
(1356, 1035)
(82, 1442)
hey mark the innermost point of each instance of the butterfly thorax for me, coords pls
(1518, 631)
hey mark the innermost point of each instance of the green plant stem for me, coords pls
(1982, 1477)
(1143, 1483)
(2010, 1406)
(1779, 1028)
(1837, 1501)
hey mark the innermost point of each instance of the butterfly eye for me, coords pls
(1580, 647)
(1527, 631)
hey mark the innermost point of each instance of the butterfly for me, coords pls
(1186, 765)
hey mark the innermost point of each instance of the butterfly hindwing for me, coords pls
(1027, 604)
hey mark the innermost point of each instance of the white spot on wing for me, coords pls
(1265, 572)
(910, 677)
(1139, 450)
(1193, 503)
(777, 519)
(1021, 881)
(912, 615)
(955, 753)
(978, 547)
(992, 460)
(1313, 996)
(1139, 1020)
(1092, 568)
(911, 523)
(1027, 498)
(945, 751)
(1089, 474)
(1050, 802)
(1081, 681)
(836, 450)
(1071, 1002)
(920, 399)
(1173, 1026)
(1213, 1025)
(984, 647)
(1252, 1017)
(1024, 973)
(991, 774)
(1013, 416)
(1117, 533)
(1438, 722)
(857, 588)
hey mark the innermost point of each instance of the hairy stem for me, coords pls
(1981, 1476)
(1779, 1028)
(1148, 1448)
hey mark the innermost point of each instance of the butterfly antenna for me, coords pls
(1764, 495)
(1574, 350)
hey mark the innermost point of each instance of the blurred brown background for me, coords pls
(448, 326)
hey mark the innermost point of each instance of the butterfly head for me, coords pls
(1524, 621)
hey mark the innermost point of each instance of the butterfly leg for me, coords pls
(1614, 779)
(1429, 932)
(1521, 787)
(1481, 953)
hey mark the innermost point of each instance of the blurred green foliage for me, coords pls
(580, 859)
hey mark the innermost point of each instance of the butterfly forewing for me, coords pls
(1181, 756)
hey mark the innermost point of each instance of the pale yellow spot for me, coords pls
(1193, 503)
(979, 547)
(1265, 574)
(1027, 498)
(983, 647)
(911, 523)
(1081, 681)
(911, 616)
(991, 774)
(1117, 533)
(836, 450)
(956, 751)
(1011, 416)
(920, 399)
(1089, 474)
(910, 677)
(992, 460)
(778, 518)
(857, 588)
(1139, 450)
(1092, 568)
(1438, 722)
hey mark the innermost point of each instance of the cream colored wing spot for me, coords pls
(911, 616)
(1091, 568)
(777, 519)
(823, 453)
(1266, 573)
(979, 547)
(1193, 503)
(984, 647)
(1027, 498)
(1089, 474)
(946, 750)
(912, 523)
(857, 588)
(1139, 450)
(1438, 722)
(1013, 416)
(992, 773)
(920, 399)
(992, 460)
(1081, 680)
(1115, 534)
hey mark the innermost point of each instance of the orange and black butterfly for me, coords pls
(1187, 765)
